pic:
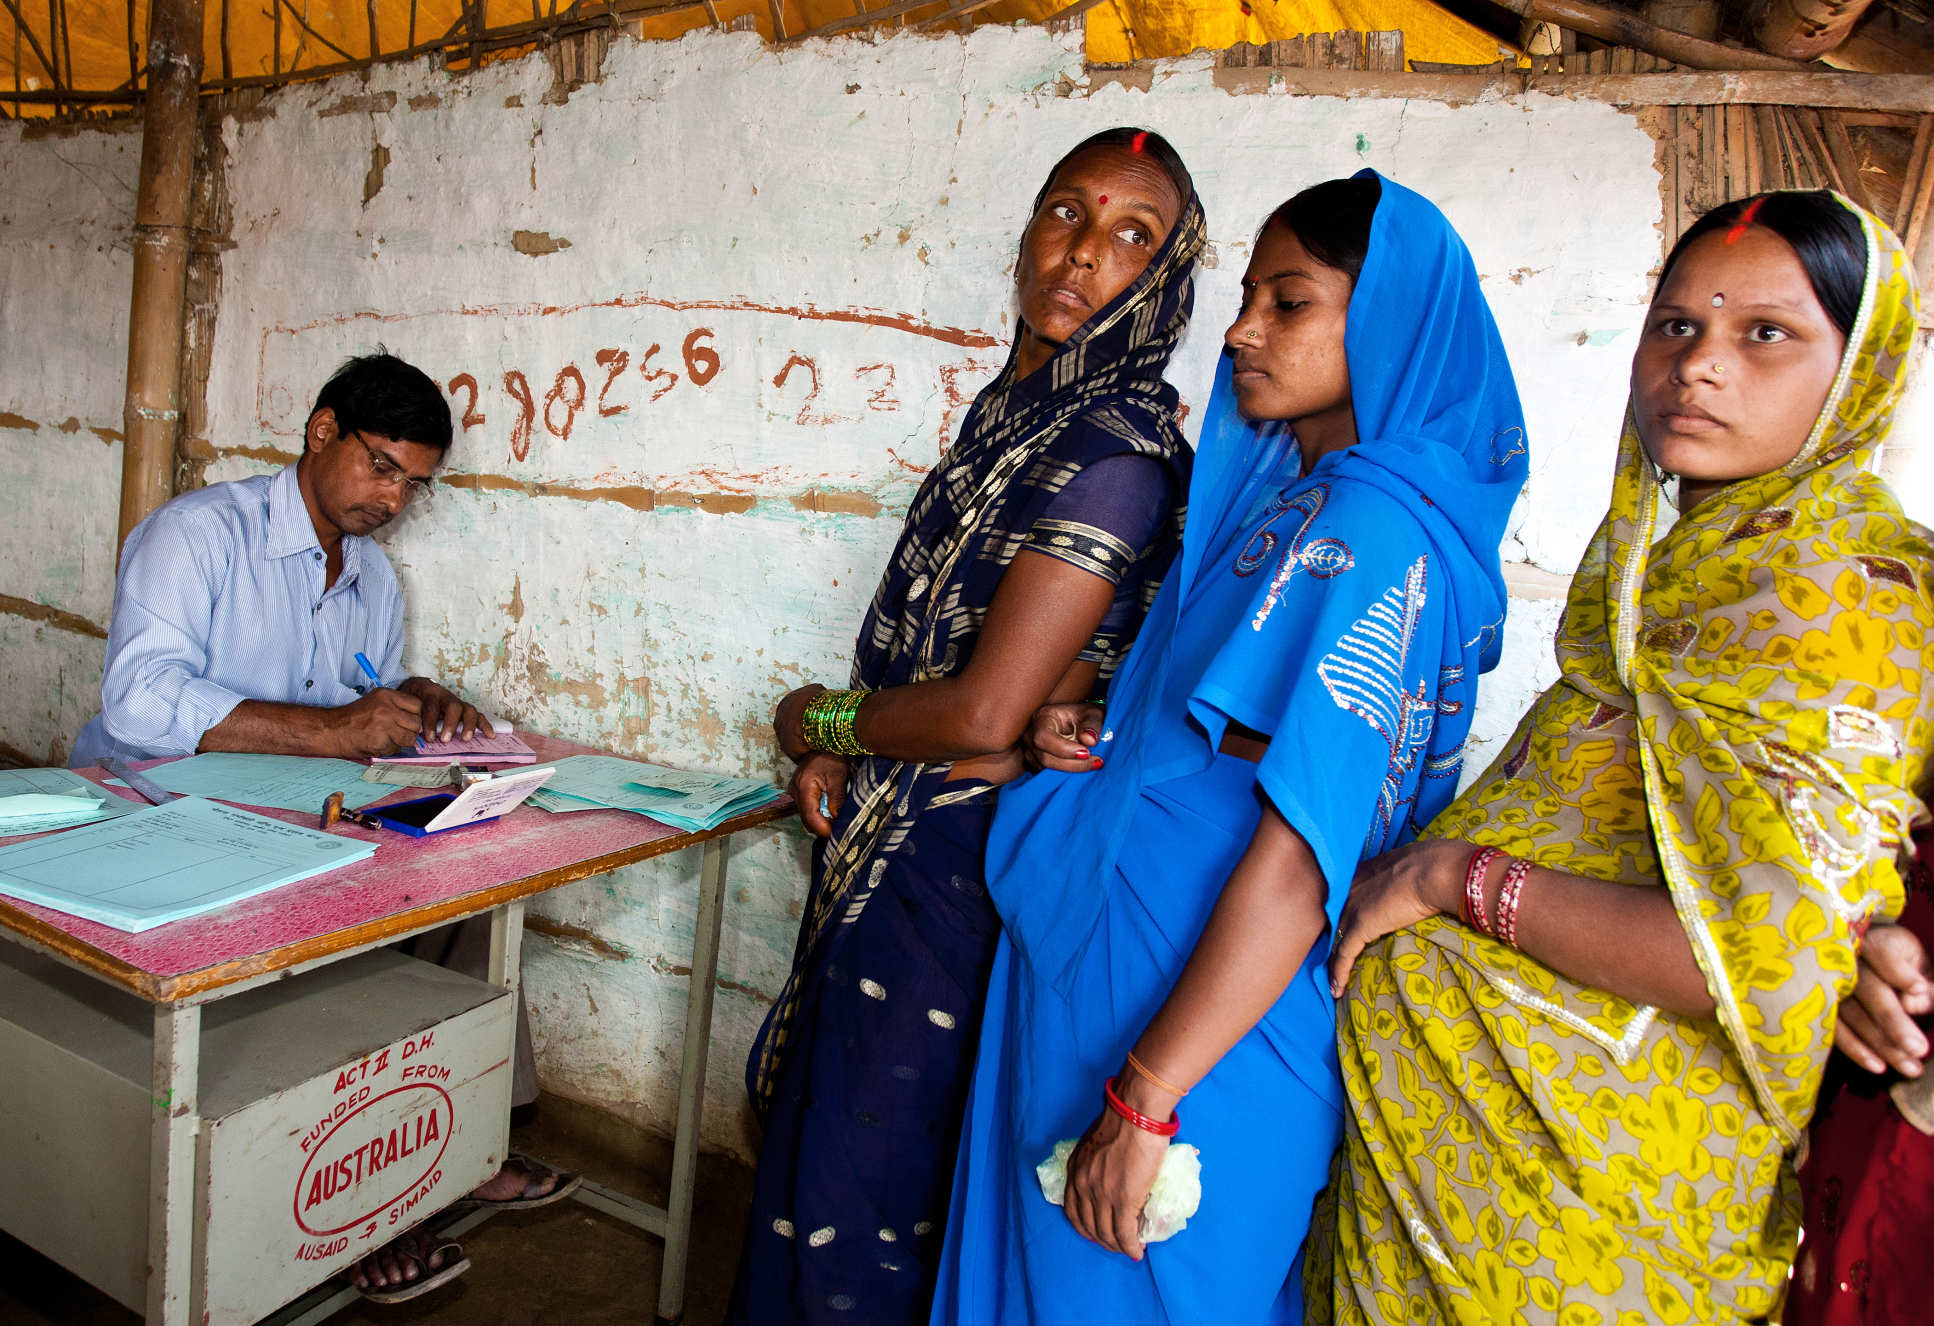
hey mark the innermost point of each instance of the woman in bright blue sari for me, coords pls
(1298, 701)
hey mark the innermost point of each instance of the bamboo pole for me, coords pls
(53, 45)
(1625, 28)
(66, 44)
(20, 29)
(508, 36)
(953, 12)
(302, 25)
(152, 413)
(839, 25)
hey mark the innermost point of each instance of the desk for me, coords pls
(409, 886)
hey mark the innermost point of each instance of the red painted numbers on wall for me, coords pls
(569, 391)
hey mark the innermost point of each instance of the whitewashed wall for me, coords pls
(66, 214)
(648, 562)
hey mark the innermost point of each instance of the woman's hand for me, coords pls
(1394, 892)
(1111, 1171)
(1876, 1026)
(819, 774)
(1063, 736)
(785, 724)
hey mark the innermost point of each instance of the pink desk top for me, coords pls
(409, 884)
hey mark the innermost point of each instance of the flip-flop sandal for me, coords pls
(534, 1171)
(455, 1264)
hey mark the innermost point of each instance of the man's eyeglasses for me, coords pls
(391, 475)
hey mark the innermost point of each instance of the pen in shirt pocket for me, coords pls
(362, 661)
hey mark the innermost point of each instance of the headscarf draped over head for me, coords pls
(1742, 714)
(1100, 395)
(1385, 555)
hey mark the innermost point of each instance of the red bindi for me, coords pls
(1104, 200)
(1745, 220)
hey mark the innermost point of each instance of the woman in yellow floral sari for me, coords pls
(1594, 1122)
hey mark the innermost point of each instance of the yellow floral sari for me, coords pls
(1740, 718)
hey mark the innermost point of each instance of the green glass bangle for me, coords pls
(826, 723)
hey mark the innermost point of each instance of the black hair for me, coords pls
(1142, 142)
(1822, 231)
(379, 393)
(1332, 220)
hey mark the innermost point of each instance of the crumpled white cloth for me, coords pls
(1174, 1198)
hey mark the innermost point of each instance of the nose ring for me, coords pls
(1250, 335)
(1719, 370)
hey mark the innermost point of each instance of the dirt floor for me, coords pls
(562, 1265)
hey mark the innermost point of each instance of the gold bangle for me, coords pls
(1153, 1080)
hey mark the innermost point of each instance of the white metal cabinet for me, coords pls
(336, 1109)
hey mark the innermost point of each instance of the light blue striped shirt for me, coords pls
(220, 599)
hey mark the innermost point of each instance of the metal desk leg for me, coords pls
(173, 1118)
(506, 945)
(691, 1083)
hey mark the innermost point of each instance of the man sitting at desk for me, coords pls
(239, 612)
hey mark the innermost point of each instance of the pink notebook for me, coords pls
(497, 748)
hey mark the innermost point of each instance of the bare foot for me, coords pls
(521, 1179)
(404, 1258)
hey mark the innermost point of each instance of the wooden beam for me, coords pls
(1910, 183)
(1806, 29)
(1916, 233)
(1624, 28)
(1826, 90)
(151, 413)
(1846, 162)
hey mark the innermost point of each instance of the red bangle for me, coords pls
(1515, 875)
(1136, 1117)
(1474, 889)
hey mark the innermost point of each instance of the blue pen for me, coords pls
(362, 661)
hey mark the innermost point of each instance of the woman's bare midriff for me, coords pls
(1002, 767)
(1243, 743)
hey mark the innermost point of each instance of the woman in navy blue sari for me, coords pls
(1028, 559)
(1297, 701)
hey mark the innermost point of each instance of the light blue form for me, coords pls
(678, 797)
(162, 863)
(286, 782)
(62, 783)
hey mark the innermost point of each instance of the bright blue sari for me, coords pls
(1345, 614)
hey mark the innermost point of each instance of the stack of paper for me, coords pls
(482, 748)
(37, 800)
(284, 782)
(684, 800)
(161, 863)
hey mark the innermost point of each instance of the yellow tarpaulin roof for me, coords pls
(244, 40)
(1123, 30)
